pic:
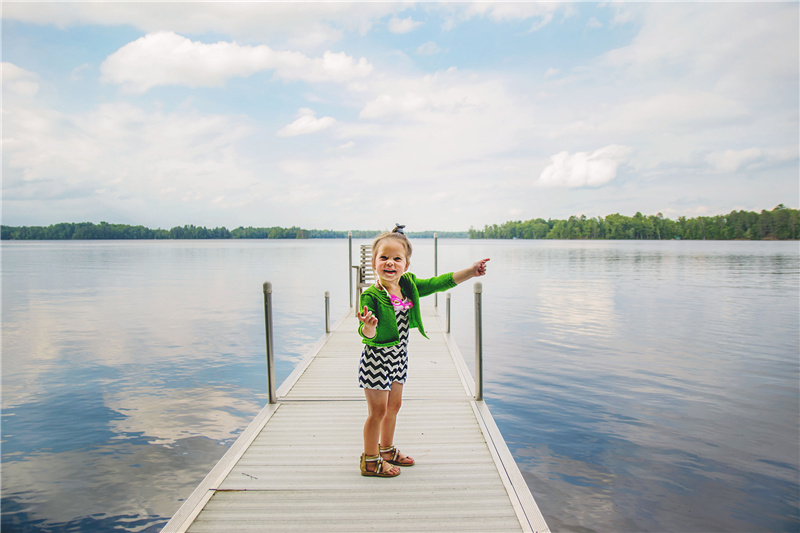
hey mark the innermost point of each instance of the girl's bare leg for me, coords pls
(393, 404)
(377, 401)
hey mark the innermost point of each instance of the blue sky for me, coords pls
(358, 115)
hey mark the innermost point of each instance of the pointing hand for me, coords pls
(479, 268)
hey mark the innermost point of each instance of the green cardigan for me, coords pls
(377, 301)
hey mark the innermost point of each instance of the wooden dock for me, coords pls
(295, 468)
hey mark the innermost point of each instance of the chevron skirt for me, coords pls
(381, 366)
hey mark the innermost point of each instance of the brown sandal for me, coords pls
(378, 472)
(395, 457)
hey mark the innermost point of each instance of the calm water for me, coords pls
(641, 386)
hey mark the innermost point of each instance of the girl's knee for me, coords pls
(394, 405)
(377, 412)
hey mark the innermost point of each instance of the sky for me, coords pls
(439, 116)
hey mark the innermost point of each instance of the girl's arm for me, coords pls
(476, 270)
(368, 323)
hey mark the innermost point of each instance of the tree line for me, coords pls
(781, 223)
(106, 231)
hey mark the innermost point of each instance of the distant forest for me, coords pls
(106, 231)
(781, 223)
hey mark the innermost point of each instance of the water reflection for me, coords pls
(116, 486)
(129, 368)
(577, 308)
(667, 401)
(641, 386)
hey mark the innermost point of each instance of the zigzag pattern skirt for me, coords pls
(381, 366)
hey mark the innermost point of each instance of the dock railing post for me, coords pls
(447, 312)
(478, 342)
(350, 264)
(327, 312)
(436, 265)
(270, 348)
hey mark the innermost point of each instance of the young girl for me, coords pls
(387, 311)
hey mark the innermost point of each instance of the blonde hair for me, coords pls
(397, 234)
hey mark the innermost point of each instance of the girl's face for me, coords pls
(390, 261)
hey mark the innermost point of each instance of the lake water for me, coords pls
(641, 386)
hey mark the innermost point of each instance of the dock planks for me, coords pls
(295, 468)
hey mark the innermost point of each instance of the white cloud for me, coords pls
(298, 168)
(388, 105)
(683, 113)
(19, 80)
(307, 122)
(543, 13)
(398, 25)
(742, 49)
(439, 130)
(165, 58)
(676, 106)
(538, 25)
(505, 11)
(501, 12)
(428, 49)
(134, 156)
(731, 161)
(77, 72)
(583, 169)
(338, 67)
(446, 93)
(677, 103)
(624, 13)
(250, 21)
(594, 23)
(683, 109)
(316, 35)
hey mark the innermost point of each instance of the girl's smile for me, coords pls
(390, 262)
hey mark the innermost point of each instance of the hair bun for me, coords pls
(398, 228)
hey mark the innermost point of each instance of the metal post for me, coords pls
(350, 264)
(478, 343)
(327, 312)
(270, 348)
(447, 312)
(436, 265)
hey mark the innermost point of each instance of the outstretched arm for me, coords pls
(476, 270)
